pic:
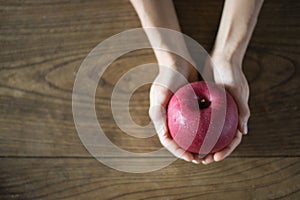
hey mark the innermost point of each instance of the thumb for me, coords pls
(244, 115)
(157, 114)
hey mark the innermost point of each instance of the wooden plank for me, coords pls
(234, 178)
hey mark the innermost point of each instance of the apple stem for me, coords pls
(203, 103)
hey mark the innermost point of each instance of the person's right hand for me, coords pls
(160, 94)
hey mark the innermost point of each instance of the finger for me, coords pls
(243, 108)
(244, 114)
(158, 117)
(208, 159)
(172, 147)
(159, 95)
(159, 98)
(196, 159)
(218, 156)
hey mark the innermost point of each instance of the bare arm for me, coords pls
(161, 13)
(237, 24)
(158, 13)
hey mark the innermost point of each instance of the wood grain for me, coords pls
(43, 44)
(250, 178)
(40, 61)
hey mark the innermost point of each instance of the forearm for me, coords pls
(156, 13)
(237, 24)
(161, 13)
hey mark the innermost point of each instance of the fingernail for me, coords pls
(245, 128)
(195, 162)
(203, 162)
(186, 159)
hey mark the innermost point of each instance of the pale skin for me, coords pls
(238, 20)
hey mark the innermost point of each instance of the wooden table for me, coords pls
(41, 156)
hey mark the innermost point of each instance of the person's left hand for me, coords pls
(236, 84)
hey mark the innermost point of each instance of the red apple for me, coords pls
(202, 117)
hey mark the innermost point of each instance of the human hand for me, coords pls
(160, 93)
(230, 74)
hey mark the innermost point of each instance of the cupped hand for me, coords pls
(167, 82)
(230, 74)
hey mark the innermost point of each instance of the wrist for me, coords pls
(178, 64)
(233, 56)
(223, 60)
(231, 43)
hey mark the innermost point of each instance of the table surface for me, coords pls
(43, 44)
